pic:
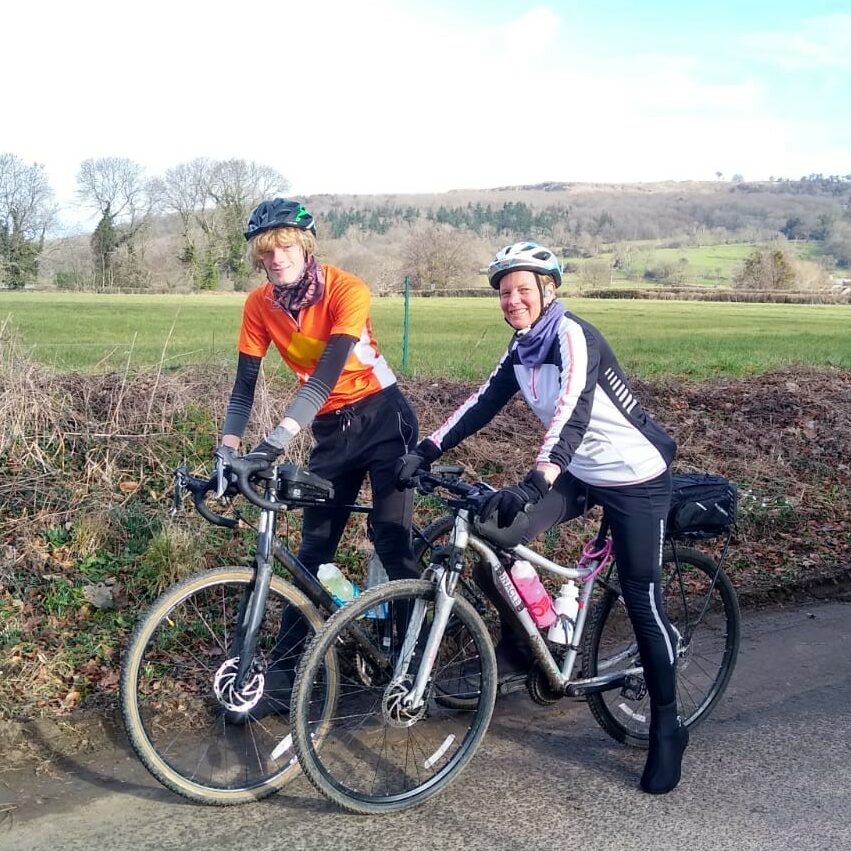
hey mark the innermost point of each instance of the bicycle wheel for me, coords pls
(701, 605)
(177, 684)
(373, 753)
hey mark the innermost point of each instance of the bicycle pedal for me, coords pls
(634, 688)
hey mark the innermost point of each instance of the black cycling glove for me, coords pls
(418, 461)
(264, 451)
(509, 502)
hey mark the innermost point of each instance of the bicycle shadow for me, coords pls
(564, 739)
(75, 757)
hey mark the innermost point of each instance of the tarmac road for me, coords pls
(771, 769)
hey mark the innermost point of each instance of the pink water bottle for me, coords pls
(535, 596)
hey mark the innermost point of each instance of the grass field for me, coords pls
(705, 266)
(710, 265)
(460, 338)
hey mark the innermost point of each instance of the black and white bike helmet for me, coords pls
(279, 213)
(525, 256)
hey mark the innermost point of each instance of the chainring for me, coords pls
(539, 688)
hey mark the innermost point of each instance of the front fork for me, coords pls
(446, 582)
(253, 607)
(442, 610)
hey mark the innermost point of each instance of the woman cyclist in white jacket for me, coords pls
(600, 448)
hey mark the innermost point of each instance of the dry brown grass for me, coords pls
(86, 464)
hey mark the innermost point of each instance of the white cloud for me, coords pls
(822, 42)
(384, 97)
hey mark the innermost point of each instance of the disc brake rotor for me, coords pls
(394, 709)
(237, 700)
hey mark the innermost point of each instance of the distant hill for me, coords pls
(370, 234)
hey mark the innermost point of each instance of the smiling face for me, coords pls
(282, 253)
(284, 265)
(520, 298)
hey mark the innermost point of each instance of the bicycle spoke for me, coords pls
(184, 677)
(701, 605)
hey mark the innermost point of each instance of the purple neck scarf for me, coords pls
(305, 292)
(533, 344)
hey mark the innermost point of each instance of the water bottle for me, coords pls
(375, 575)
(535, 596)
(333, 581)
(567, 608)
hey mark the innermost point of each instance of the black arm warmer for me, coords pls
(316, 390)
(242, 395)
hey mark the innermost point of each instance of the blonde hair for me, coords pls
(547, 283)
(278, 238)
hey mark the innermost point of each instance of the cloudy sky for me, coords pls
(430, 95)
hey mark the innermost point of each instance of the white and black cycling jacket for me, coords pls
(596, 428)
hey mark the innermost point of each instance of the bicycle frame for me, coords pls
(596, 557)
(268, 547)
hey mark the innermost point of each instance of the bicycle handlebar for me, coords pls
(233, 475)
(243, 469)
(448, 478)
(199, 488)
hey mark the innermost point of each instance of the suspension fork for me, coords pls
(446, 582)
(442, 610)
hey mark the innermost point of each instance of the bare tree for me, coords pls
(27, 211)
(596, 273)
(213, 199)
(438, 257)
(184, 190)
(235, 187)
(117, 188)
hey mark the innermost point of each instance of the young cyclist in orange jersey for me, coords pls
(317, 316)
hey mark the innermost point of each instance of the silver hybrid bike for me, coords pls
(408, 708)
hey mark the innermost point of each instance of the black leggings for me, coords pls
(366, 438)
(636, 515)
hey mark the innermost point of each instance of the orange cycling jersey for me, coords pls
(343, 309)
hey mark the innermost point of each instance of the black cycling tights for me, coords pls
(636, 515)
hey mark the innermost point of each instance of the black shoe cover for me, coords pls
(668, 740)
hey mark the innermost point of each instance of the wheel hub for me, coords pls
(396, 712)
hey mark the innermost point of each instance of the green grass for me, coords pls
(460, 338)
(709, 265)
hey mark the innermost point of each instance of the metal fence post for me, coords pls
(405, 324)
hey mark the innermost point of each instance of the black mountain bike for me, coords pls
(203, 649)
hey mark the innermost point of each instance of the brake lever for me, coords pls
(221, 481)
(179, 487)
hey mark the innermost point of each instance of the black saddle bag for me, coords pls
(702, 506)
